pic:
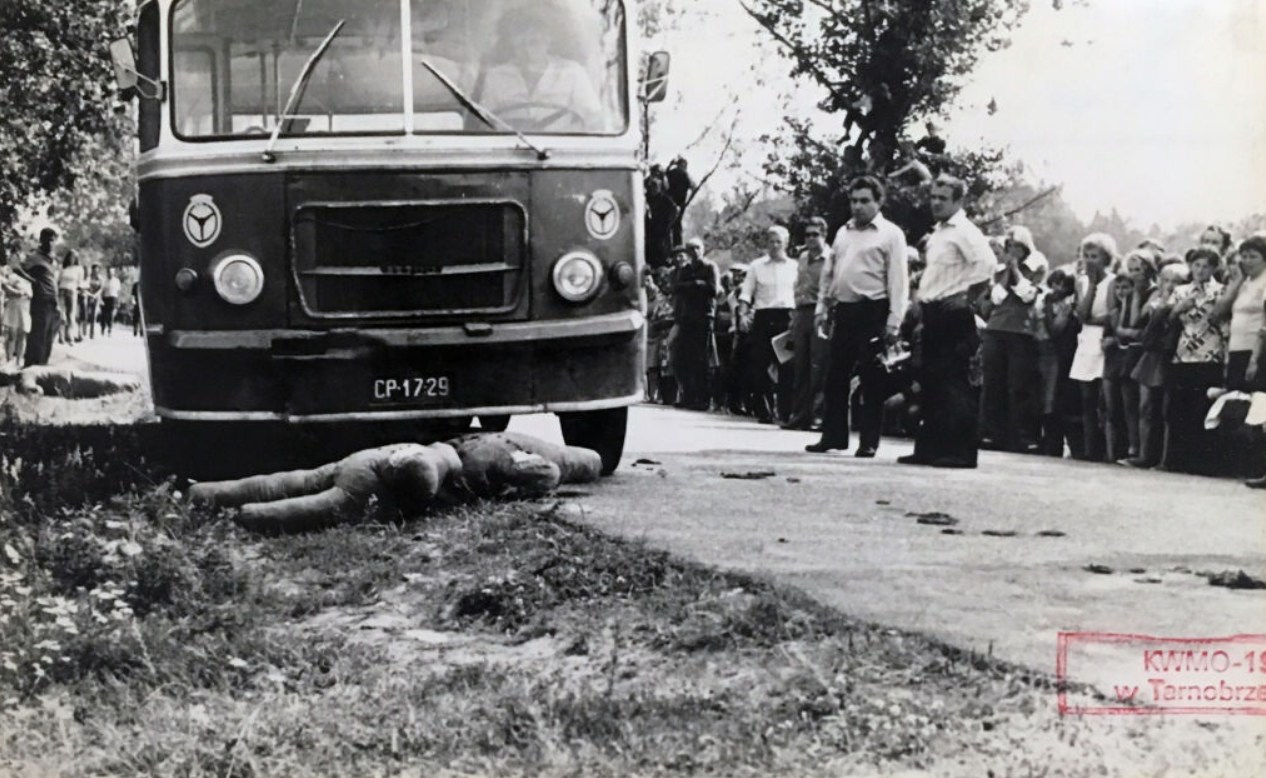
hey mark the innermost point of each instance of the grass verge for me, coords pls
(139, 636)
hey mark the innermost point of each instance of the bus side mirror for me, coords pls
(655, 82)
(131, 82)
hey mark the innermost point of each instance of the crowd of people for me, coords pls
(968, 342)
(44, 301)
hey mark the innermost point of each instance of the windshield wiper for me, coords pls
(296, 90)
(487, 117)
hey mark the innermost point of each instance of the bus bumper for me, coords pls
(397, 374)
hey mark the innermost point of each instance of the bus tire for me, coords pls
(494, 423)
(603, 431)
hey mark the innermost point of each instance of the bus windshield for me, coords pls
(553, 67)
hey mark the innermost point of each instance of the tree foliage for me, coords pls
(60, 118)
(882, 64)
(735, 228)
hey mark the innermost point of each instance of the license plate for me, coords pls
(416, 390)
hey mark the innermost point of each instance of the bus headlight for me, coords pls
(577, 276)
(238, 278)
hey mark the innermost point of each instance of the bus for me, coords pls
(402, 213)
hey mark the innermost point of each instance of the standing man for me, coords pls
(864, 293)
(41, 270)
(680, 185)
(809, 348)
(958, 258)
(695, 286)
(766, 300)
(661, 215)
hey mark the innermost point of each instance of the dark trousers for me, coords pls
(45, 321)
(1010, 376)
(1244, 447)
(853, 349)
(1189, 447)
(737, 395)
(1092, 438)
(809, 368)
(691, 350)
(721, 376)
(951, 406)
(107, 313)
(1151, 423)
(767, 325)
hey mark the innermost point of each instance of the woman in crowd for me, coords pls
(1158, 339)
(1216, 239)
(1121, 390)
(110, 289)
(1097, 255)
(1243, 303)
(1009, 353)
(1056, 333)
(659, 306)
(90, 302)
(664, 324)
(1197, 366)
(17, 315)
(69, 280)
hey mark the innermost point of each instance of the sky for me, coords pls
(1154, 107)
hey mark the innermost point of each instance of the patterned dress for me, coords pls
(1202, 339)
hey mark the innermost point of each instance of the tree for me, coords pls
(1056, 229)
(92, 214)
(734, 230)
(56, 89)
(881, 64)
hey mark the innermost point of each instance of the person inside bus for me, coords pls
(536, 89)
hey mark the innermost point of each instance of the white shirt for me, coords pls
(70, 277)
(959, 257)
(563, 84)
(1248, 314)
(112, 287)
(770, 284)
(867, 262)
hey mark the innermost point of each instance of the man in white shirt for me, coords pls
(958, 259)
(864, 291)
(765, 303)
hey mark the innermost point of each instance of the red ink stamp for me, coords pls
(1139, 675)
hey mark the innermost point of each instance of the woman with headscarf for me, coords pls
(1009, 352)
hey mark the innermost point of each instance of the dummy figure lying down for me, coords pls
(404, 477)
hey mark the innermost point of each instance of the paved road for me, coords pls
(120, 350)
(839, 528)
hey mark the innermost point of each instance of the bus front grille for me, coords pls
(408, 259)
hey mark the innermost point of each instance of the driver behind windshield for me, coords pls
(535, 89)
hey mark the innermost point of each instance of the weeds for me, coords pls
(139, 636)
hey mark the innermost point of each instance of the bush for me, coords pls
(92, 585)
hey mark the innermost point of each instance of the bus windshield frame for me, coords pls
(558, 68)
